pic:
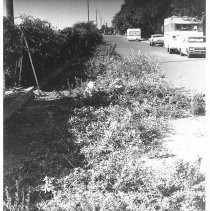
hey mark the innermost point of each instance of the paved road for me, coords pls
(181, 71)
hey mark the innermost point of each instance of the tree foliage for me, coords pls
(12, 47)
(49, 48)
(44, 45)
(149, 14)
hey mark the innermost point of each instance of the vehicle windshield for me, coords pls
(189, 27)
(134, 33)
(197, 39)
(157, 36)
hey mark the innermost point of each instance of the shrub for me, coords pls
(44, 45)
(12, 50)
(122, 182)
(198, 104)
(90, 36)
(49, 48)
(79, 40)
(20, 201)
(137, 79)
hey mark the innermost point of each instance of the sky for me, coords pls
(63, 13)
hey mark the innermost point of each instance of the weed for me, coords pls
(198, 104)
(20, 201)
(113, 128)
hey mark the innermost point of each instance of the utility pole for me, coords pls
(88, 9)
(96, 19)
(100, 21)
(10, 10)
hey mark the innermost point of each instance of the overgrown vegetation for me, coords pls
(122, 183)
(12, 49)
(49, 48)
(102, 135)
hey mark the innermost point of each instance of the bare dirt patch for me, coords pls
(186, 142)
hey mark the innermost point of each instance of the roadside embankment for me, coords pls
(99, 132)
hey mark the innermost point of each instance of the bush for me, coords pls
(80, 40)
(90, 36)
(137, 79)
(49, 48)
(19, 201)
(198, 104)
(44, 44)
(122, 183)
(12, 50)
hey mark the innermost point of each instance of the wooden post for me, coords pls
(16, 73)
(20, 70)
(34, 72)
(21, 62)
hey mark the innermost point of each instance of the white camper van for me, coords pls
(133, 34)
(176, 29)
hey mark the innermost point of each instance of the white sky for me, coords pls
(62, 13)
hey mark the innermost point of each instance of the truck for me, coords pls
(134, 34)
(176, 29)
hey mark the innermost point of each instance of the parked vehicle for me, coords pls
(134, 34)
(156, 39)
(177, 28)
(195, 45)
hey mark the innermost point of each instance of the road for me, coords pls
(179, 70)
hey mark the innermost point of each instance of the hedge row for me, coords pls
(49, 47)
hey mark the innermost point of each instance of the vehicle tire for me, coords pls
(180, 52)
(188, 54)
(170, 51)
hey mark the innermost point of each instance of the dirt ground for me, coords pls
(30, 138)
(187, 142)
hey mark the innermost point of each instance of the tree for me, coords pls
(149, 15)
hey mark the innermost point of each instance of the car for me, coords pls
(193, 45)
(156, 39)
